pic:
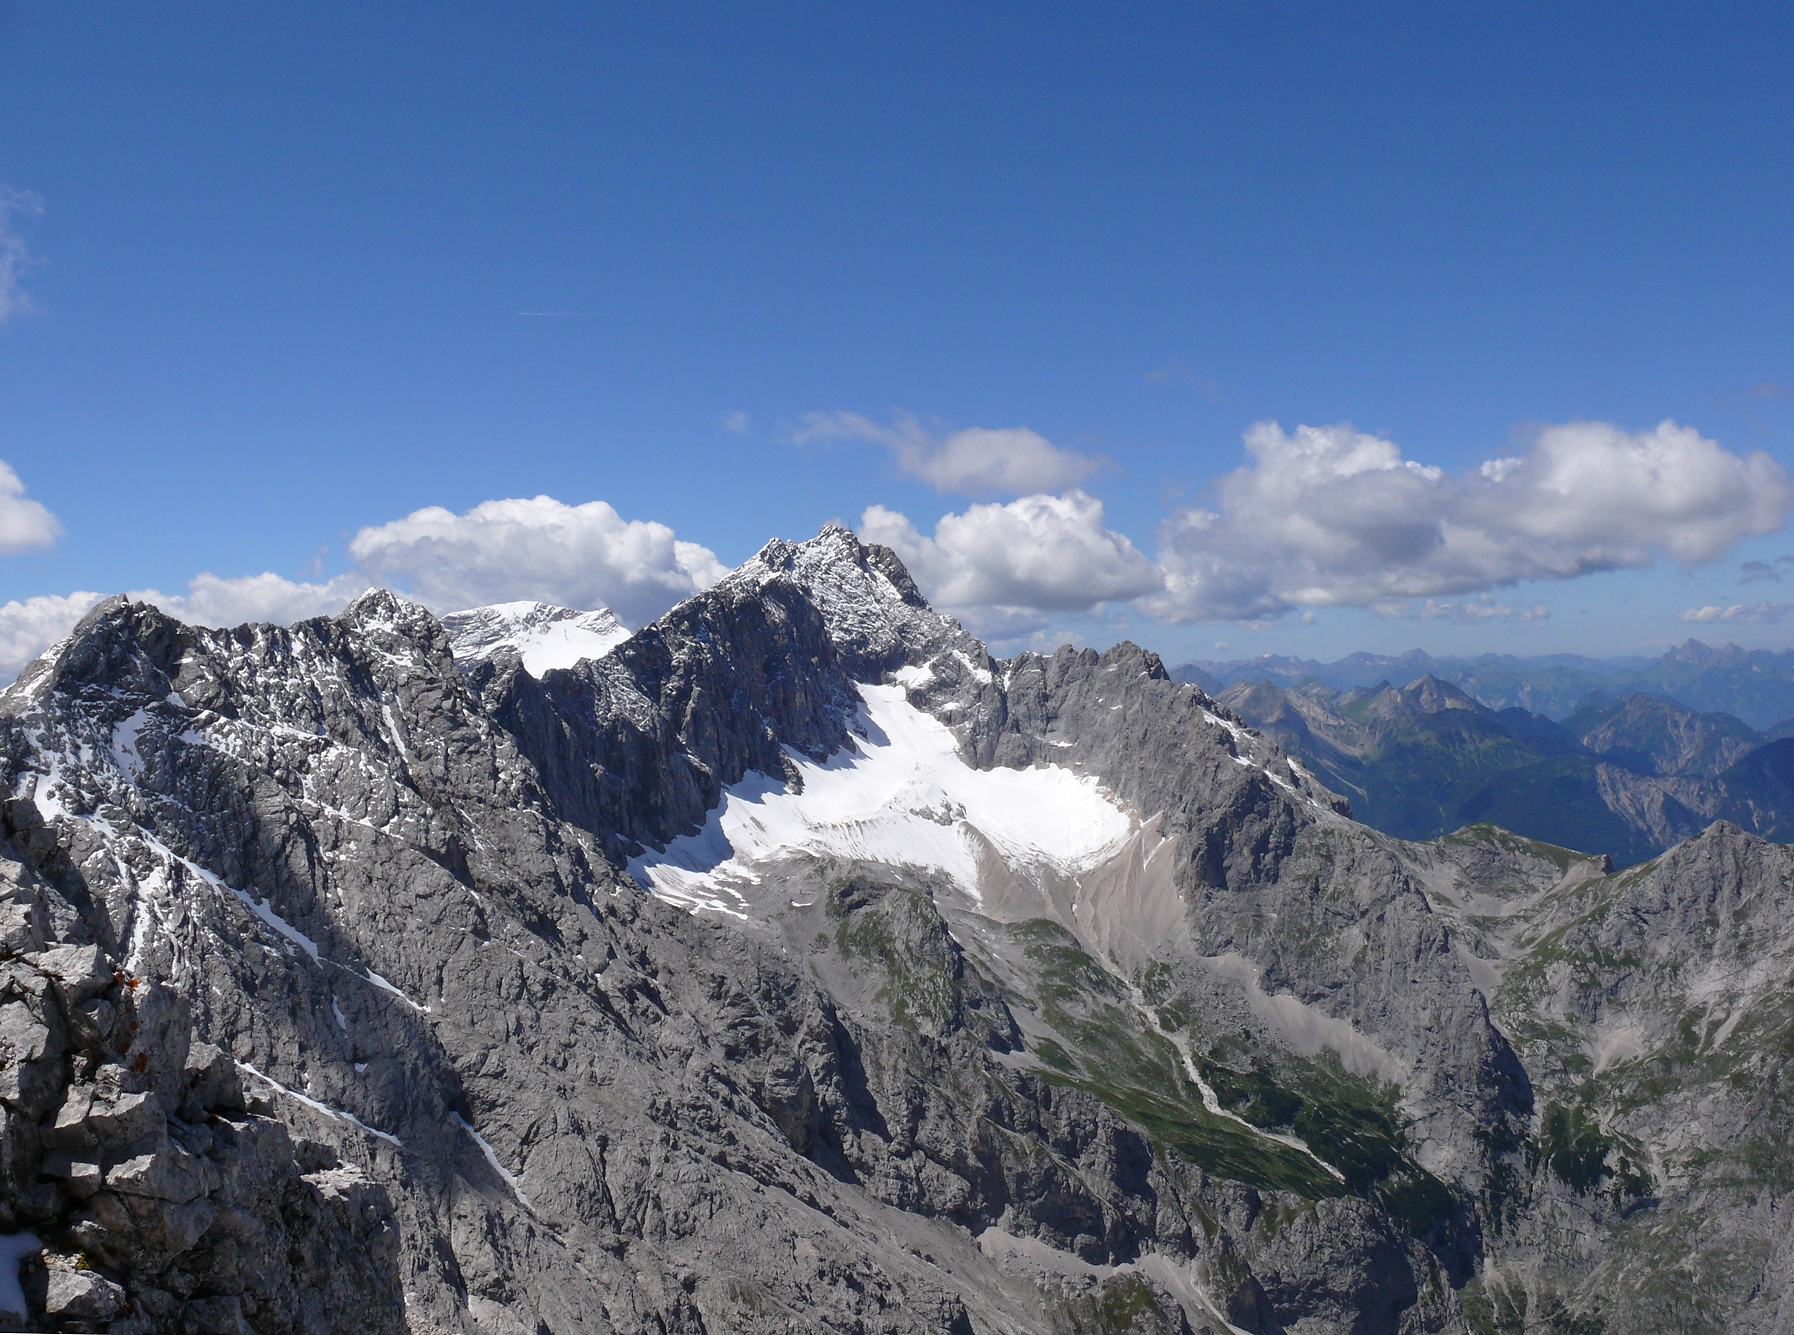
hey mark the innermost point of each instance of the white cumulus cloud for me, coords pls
(28, 626)
(977, 461)
(1331, 516)
(24, 523)
(582, 556)
(211, 600)
(1044, 553)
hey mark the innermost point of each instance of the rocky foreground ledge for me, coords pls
(139, 1188)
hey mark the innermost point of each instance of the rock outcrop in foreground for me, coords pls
(330, 1003)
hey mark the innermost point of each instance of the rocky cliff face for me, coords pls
(1037, 995)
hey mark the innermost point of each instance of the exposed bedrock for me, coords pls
(329, 1008)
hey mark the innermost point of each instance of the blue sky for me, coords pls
(268, 264)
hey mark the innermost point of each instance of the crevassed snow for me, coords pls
(544, 636)
(902, 797)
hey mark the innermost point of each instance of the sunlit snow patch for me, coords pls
(543, 636)
(14, 1248)
(903, 797)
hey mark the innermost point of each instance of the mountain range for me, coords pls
(1626, 777)
(792, 964)
(1755, 685)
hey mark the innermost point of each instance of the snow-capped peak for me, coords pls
(542, 635)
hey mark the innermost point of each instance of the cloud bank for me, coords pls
(1319, 517)
(28, 626)
(1332, 517)
(978, 461)
(576, 555)
(214, 601)
(1737, 612)
(580, 556)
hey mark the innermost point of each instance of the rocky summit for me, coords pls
(793, 965)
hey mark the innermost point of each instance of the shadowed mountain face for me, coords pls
(1622, 777)
(794, 965)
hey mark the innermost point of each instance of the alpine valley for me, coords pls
(793, 965)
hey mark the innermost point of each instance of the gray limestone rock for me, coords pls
(390, 1041)
(80, 1295)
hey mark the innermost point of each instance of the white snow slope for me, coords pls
(902, 797)
(544, 635)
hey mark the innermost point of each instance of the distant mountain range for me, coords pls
(1755, 685)
(1624, 776)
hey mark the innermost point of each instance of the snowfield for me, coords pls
(902, 797)
(543, 636)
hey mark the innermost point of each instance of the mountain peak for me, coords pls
(118, 641)
(1692, 650)
(1434, 696)
(836, 547)
(875, 615)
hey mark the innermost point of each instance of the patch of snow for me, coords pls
(385, 986)
(336, 1113)
(491, 1157)
(1725, 1030)
(913, 677)
(281, 925)
(398, 734)
(342, 1022)
(1180, 1039)
(980, 674)
(14, 1248)
(903, 797)
(545, 637)
(124, 745)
